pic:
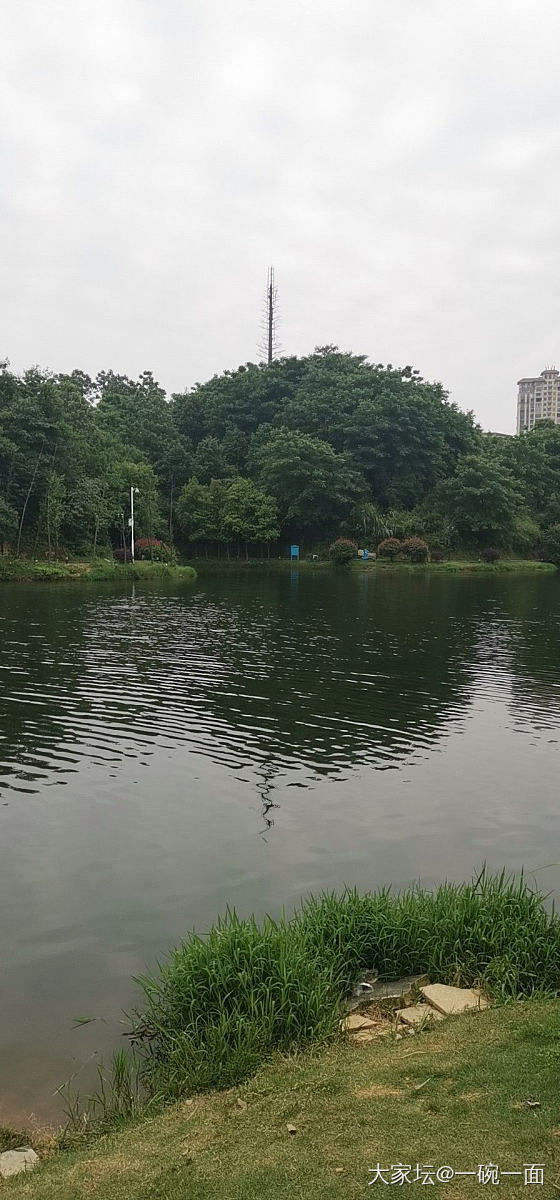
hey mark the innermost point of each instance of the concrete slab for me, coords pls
(358, 1021)
(453, 1000)
(419, 1014)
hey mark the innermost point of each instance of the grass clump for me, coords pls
(106, 569)
(221, 1004)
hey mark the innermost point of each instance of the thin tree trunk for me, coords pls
(48, 511)
(26, 501)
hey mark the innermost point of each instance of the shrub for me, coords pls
(222, 1003)
(436, 554)
(389, 548)
(415, 549)
(343, 551)
(153, 549)
(490, 554)
(551, 545)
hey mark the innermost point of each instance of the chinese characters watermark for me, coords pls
(426, 1173)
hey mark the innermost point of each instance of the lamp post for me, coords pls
(133, 491)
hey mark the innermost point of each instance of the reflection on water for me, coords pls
(320, 686)
(163, 753)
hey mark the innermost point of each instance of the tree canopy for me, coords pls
(311, 448)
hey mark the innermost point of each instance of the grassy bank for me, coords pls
(456, 1095)
(222, 1004)
(453, 566)
(24, 570)
(108, 570)
(21, 570)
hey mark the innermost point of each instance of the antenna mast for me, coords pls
(270, 313)
(269, 345)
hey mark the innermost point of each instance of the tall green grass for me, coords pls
(222, 1003)
(105, 569)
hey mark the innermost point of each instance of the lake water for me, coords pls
(165, 753)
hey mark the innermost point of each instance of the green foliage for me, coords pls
(343, 551)
(142, 571)
(221, 512)
(526, 535)
(249, 513)
(415, 550)
(22, 570)
(52, 508)
(8, 522)
(389, 548)
(307, 448)
(481, 500)
(551, 545)
(222, 1003)
(153, 549)
(315, 487)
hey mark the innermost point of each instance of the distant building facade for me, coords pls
(538, 399)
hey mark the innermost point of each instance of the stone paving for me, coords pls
(404, 1006)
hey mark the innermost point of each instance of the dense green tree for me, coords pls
(197, 516)
(250, 514)
(314, 486)
(52, 509)
(534, 459)
(338, 444)
(210, 461)
(481, 499)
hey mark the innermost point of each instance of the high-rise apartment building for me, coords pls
(538, 400)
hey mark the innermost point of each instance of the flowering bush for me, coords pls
(389, 548)
(153, 549)
(343, 551)
(415, 549)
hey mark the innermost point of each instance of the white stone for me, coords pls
(452, 1000)
(14, 1161)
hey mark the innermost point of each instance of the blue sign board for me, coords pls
(294, 551)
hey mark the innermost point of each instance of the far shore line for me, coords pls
(22, 570)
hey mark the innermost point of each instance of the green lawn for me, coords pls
(455, 1096)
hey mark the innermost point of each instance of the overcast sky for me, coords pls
(397, 160)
